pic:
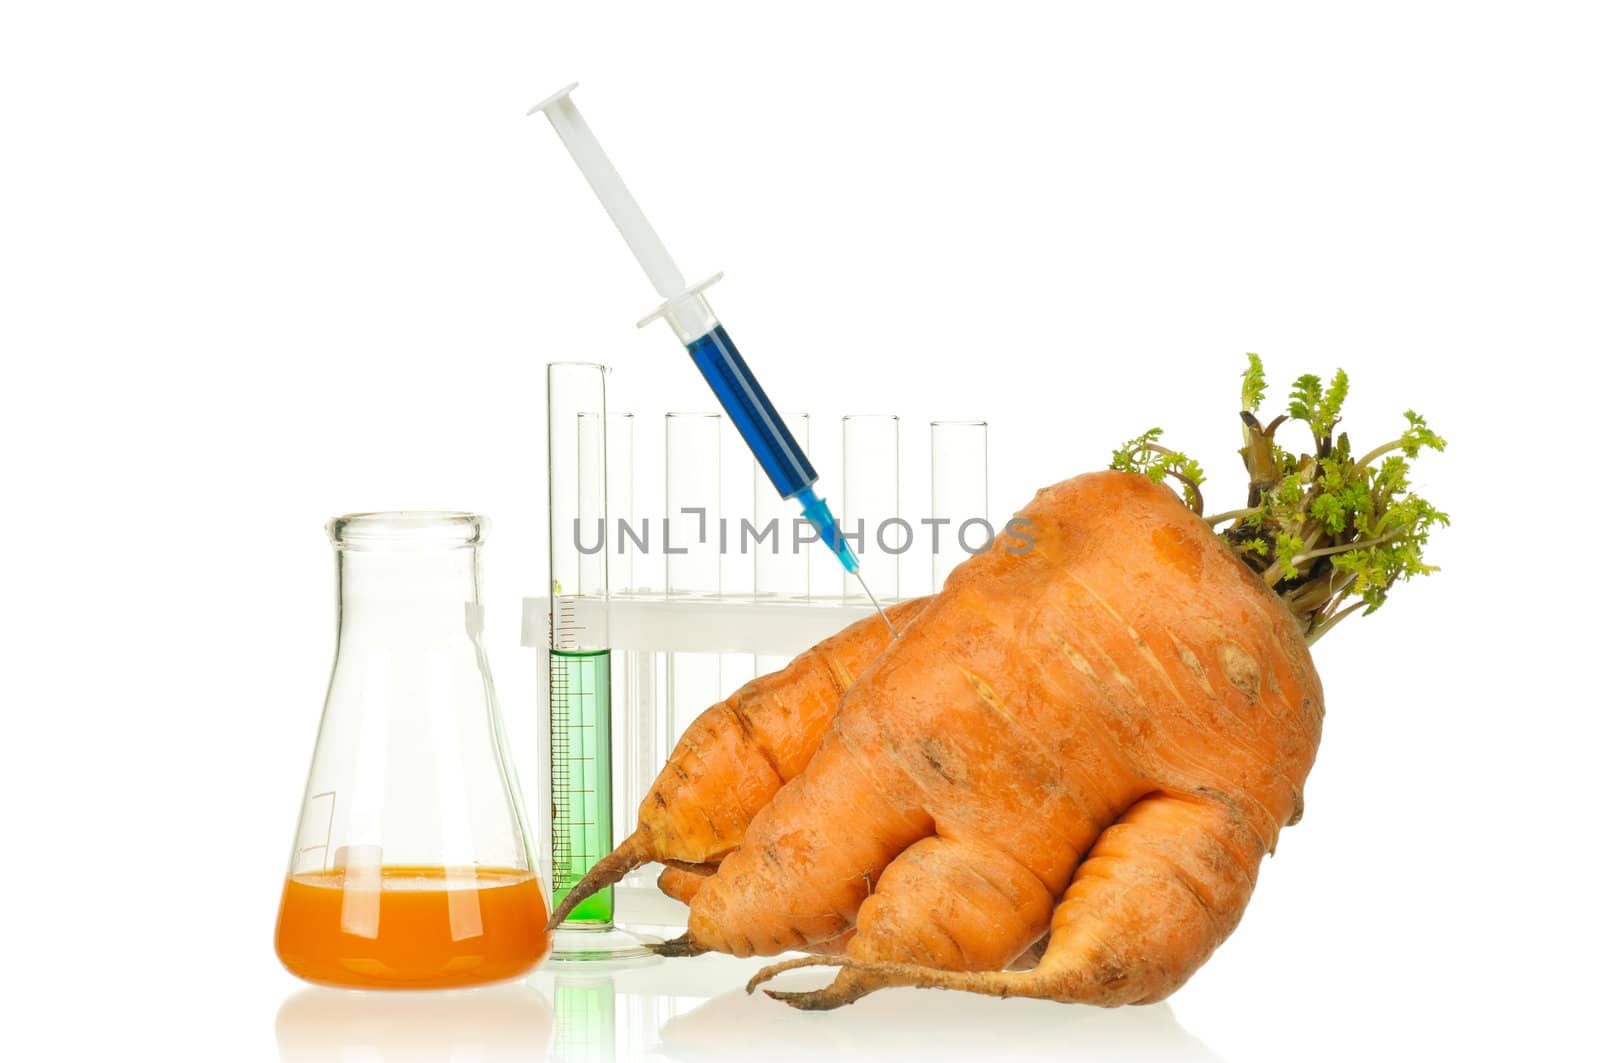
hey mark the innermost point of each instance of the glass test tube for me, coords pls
(694, 503)
(633, 756)
(871, 503)
(959, 496)
(782, 563)
(619, 502)
(690, 540)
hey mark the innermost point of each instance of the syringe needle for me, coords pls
(893, 634)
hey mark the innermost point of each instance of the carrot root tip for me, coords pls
(771, 971)
(683, 945)
(857, 978)
(621, 860)
(847, 988)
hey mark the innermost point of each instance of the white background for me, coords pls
(265, 263)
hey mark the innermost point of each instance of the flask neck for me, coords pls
(398, 592)
(407, 578)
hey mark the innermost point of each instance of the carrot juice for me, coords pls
(408, 927)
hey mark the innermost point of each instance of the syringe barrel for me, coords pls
(752, 413)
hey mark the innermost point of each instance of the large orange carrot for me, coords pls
(1100, 737)
(1112, 726)
(738, 753)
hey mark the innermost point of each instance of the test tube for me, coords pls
(870, 504)
(782, 559)
(617, 439)
(959, 495)
(633, 755)
(782, 562)
(690, 540)
(689, 534)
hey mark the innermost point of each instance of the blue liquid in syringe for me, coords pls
(770, 440)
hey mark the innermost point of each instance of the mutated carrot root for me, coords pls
(1161, 889)
(1115, 721)
(682, 883)
(1114, 726)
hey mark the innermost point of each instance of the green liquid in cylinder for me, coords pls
(580, 775)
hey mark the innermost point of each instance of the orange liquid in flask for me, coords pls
(400, 927)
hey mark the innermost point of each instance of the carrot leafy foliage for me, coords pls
(1330, 531)
(1145, 456)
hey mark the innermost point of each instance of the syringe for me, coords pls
(697, 328)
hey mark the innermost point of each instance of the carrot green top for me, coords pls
(1330, 531)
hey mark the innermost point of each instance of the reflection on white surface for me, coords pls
(586, 1022)
(490, 1025)
(695, 1010)
(906, 1024)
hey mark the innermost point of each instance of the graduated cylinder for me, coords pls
(579, 664)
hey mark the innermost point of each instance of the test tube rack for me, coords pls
(677, 650)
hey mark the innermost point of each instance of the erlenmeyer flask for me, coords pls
(411, 867)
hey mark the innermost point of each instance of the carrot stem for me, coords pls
(1377, 452)
(1232, 514)
(1311, 639)
(1359, 544)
